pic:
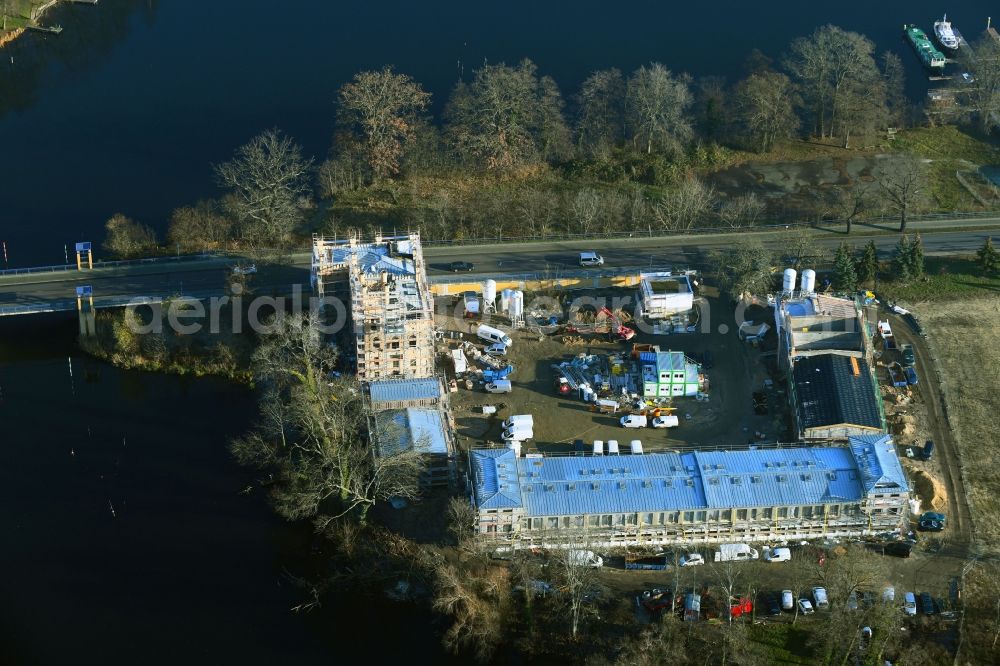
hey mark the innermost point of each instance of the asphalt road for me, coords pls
(208, 277)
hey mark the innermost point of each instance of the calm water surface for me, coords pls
(127, 538)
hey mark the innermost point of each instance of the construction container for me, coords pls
(612, 447)
(636, 447)
(598, 447)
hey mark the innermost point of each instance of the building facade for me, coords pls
(699, 497)
(392, 307)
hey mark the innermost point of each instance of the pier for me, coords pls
(52, 30)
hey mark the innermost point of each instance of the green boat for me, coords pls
(930, 56)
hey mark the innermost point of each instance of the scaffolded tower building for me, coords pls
(391, 304)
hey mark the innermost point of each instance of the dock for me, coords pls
(51, 29)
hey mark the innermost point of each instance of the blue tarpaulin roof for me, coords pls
(559, 486)
(397, 390)
(404, 428)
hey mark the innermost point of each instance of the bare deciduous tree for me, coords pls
(477, 602)
(902, 181)
(199, 227)
(836, 72)
(498, 119)
(982, 96)
(683, 206)
(657, 104)
(578, 584)
(316, 435)
(266, 179)
(742, 211)
(382, 107)
(765, 109)
(601, 121)
(128, 238)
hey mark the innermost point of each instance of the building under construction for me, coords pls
(391, 306)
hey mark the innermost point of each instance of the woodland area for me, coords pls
(511, 156)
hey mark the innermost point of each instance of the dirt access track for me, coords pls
(946, 447)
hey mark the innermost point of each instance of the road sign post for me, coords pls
(81, 249)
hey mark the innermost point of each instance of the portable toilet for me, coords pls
(636, 446)
(612, 447)
(598, 447)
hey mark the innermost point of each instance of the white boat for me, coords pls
(946, 37)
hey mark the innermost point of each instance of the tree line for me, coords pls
(511, 155)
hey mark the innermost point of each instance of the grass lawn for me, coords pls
(948, 278)
(965, 336)
(784, 643)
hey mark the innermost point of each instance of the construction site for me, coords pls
(766, 425)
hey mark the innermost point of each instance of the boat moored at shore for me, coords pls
(945, 35)
(929, 56)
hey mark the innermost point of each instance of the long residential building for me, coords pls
(702, 497)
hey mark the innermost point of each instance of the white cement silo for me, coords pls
(788, 283)
(809, 281)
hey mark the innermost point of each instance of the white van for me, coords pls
(735, 552)
(591, 259)
(633, 421)
(493, 335)
(777, 554)
(499, 386)
(519, 419)
(585, 558)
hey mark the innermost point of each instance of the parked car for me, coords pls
(819, 595)
(910, 604)
(852, 601)
(787, 600)
(668, 421)
(496, 349)
(772, 603)
(806, 607)
(777, 554)
(908, 356)
(931, 521)
(591, 259)
(691, 560)
(928, 450)
(244, 269)
(457, 266)
(888, 594)
(926, 603)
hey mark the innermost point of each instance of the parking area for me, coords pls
(739, 406)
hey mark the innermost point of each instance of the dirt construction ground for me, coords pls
(725, 419)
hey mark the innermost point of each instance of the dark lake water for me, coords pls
(128, 108)
(127, 538)
(126, 111)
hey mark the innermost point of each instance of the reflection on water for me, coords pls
(128, 538)
(88, 38)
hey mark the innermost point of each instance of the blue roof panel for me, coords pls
(398, 390)
(495, 480)
(573, 485)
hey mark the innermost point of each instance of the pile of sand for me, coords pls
(931, 491)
